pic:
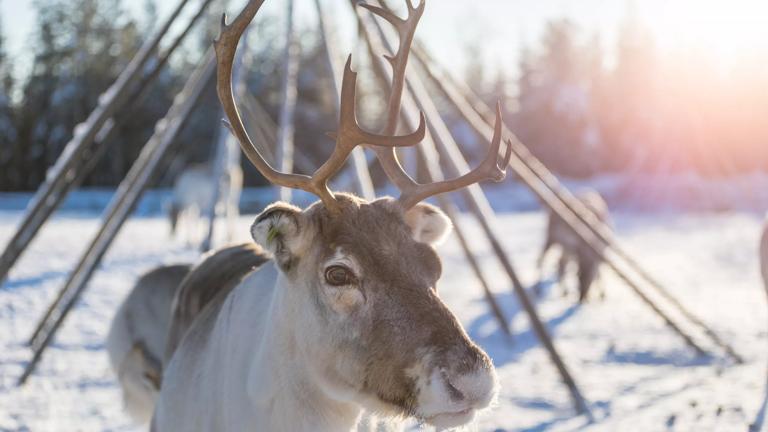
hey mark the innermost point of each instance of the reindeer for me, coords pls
(345, 314)
(143, 336)
(193, 193)
(572, 247)
(137, 338)
(764, 256)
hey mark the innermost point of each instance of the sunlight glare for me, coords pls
(726, 30)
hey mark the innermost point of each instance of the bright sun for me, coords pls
(727, 30)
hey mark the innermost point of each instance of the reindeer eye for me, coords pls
(339, 276)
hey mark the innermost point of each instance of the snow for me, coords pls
(635, 372)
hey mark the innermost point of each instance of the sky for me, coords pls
(447, 27)
(726, 30)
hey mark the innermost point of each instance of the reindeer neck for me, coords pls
(281, 379)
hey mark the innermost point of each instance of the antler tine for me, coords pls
(351, 135)
(386, 14)
(406, 28)
(489, 169)
(349, 127)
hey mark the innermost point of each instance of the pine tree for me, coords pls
(8, 135)
(554, 117)
(630, 89)
(81, 47)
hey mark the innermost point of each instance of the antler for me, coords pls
(348, 136)
(411, 191)
(489, 169)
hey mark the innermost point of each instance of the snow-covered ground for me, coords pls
(636, 373)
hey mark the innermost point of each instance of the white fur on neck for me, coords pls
(280, 378)
(278, 390)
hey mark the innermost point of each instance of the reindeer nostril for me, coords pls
(454, 393)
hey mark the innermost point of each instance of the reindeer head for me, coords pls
(366, 272)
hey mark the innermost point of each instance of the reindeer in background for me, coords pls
(336, 311)
(573, 250)
(193, 194)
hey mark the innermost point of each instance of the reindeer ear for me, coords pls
(428, 224)
(280, 229)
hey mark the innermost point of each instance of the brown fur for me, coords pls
(214, 277)
(572, 248)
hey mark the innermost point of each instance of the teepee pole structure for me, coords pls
(288, 97)
(581, 220)
(474, 196)
(98, 146)
(88, 144)
(127, 196)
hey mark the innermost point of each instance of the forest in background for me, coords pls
(582, 110)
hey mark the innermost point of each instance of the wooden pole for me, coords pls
(288, 96)
(125, 199)
(478, 203)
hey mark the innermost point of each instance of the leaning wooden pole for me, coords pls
(92, 155)
(479, 205)
(359, 162)
(126, 198)
(288, 97)
(579, 227)
(61, 296)
(86, 147)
